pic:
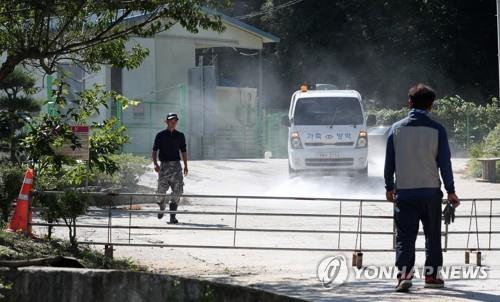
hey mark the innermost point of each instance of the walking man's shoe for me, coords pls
(163, 206)
(433, 282)
(173, 207)
(404, 285)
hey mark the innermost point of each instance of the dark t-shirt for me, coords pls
(169, 143)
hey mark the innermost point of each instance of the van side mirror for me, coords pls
(371, 120)
(285, 121)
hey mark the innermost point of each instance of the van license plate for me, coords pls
(329, 155)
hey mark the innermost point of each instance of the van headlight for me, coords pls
(295, 141)
(362, 140)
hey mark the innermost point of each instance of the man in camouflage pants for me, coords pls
(171, 145)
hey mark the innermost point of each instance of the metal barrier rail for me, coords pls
(206, 196)
(359, 232)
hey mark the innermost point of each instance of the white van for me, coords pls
(327, 131)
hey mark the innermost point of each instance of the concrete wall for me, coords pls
(98, 78)
(157, 84)
(79, 285)
(140, 82)
(174, 58)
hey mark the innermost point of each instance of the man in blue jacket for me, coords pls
(417, 150)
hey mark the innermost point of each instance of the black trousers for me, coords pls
(407, 214)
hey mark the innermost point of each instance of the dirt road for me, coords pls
(294, 273)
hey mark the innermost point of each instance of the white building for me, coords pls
(175, 77)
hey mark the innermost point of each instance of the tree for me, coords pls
(91, 32)
(11, 179)
(16, 106)
(66, 207)
(378, 47)
(48, 132)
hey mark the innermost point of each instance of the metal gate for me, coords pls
(349, 216)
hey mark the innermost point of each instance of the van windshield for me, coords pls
(328, 111)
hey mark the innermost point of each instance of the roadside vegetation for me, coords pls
(17, 106)
(32, 132)
(11, 178)
(489, 147)
(473, 130)
(466, 122)
(14, 246)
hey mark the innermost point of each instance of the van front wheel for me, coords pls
(291, 172)
(363, 172)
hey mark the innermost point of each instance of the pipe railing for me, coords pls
(110, 210)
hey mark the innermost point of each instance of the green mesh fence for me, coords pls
(275, 134)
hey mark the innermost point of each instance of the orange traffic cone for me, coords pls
(21, 219)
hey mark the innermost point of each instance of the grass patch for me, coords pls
(18, 247)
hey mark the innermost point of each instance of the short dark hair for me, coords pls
(422, 96)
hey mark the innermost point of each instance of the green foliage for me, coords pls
(107, 139)
(378, 47)
(489, 147)
(474, 168)
(16, 107)
(18, 247)
(53, 178)
(46, 133)
(5, 288)
(19, 81)
(465, 121)
(129, 169)
(66, 207)
(90, 33)
(389, 116)
(492, 143)
(11, 179)
(49, 131)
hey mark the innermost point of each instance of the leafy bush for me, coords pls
(129, 170)
(16, 246)
(492, 143)
(66, 207)
(490, 147)
(11, 179)
(389, 116)
(16, 108)
(52, 130)
(48, 132)
(465, 121)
